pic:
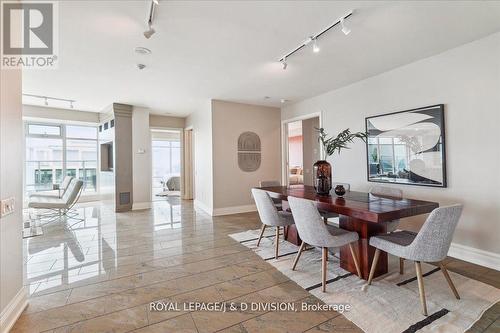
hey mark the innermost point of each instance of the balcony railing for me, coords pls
(41, 175)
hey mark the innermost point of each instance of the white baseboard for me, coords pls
(200, 205)
(13, 310)
(234, 210)
(141, 205)
(475, 256)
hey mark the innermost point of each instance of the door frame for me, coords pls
(284, 141)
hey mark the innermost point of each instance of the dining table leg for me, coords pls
(365, 252)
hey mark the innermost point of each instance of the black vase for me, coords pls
(322, 177)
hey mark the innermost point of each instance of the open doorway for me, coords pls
(301, 149)
(166, 163)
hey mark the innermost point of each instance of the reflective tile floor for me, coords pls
(101, 275)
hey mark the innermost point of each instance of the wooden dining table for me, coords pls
(361, 212)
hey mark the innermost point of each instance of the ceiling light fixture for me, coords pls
(284, 63)
(315, 46)
(148, 33)
(314, 38)
(142, 50)
(47, 98)
(345, 29)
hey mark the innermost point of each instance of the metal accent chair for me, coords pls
(431, 244)
(313, 231)
(328, 215)
(57, 193)
(62, 206)
(270, 216)
(270, 183)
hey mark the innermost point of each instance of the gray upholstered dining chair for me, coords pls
(394, 193)
(270, 183)
(328, 215)
(313, 231)
(270, 216)
(431, 244)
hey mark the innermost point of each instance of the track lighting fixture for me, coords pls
(345, 29)
(148, 33)
(314, 38)
(47, 98)
(284, 63)
(152, 8)
(315, 46)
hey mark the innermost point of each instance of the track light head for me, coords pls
(150, 32)
(345, 29)
(46, 101)
(71, 104)
(315, 46)
(284, 63)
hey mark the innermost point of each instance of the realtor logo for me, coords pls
(29, 34)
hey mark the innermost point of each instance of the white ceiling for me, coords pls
(229, 49)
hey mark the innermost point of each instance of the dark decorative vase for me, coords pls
(322, 177)
(339, 190)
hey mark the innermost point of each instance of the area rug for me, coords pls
(391, 303)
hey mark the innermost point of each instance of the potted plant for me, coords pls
(322, 170)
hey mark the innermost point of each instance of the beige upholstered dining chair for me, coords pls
(431, 244)
(270, 216)
(315, 232)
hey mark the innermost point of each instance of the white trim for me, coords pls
(475, 256)
(234, 210)
(200, 205)
(141, 205)
(284, 141)
(13, 310)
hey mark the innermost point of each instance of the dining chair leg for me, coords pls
(401, 266)
(356, 261)
(298, 255)
(261, 234)
(277, 240)
(448, 279)
(374, 264)
(421, 289)
(323, 269)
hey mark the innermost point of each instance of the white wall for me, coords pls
(40, 113)
(201, 122)
(231, 185)
(467, 80)
(12, 293)
(141, 152)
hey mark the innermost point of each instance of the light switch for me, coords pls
(7, 206)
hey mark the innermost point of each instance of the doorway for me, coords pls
(166, 163)
(301, 149)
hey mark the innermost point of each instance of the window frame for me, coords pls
(64, 138)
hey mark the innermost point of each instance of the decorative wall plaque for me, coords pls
(249, 156)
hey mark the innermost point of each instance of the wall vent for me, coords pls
(124, 198)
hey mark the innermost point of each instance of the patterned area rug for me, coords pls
(391, 303)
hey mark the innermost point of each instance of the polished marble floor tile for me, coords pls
(102, 275)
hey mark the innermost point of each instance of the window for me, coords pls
(55, 150)
(166, 156)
